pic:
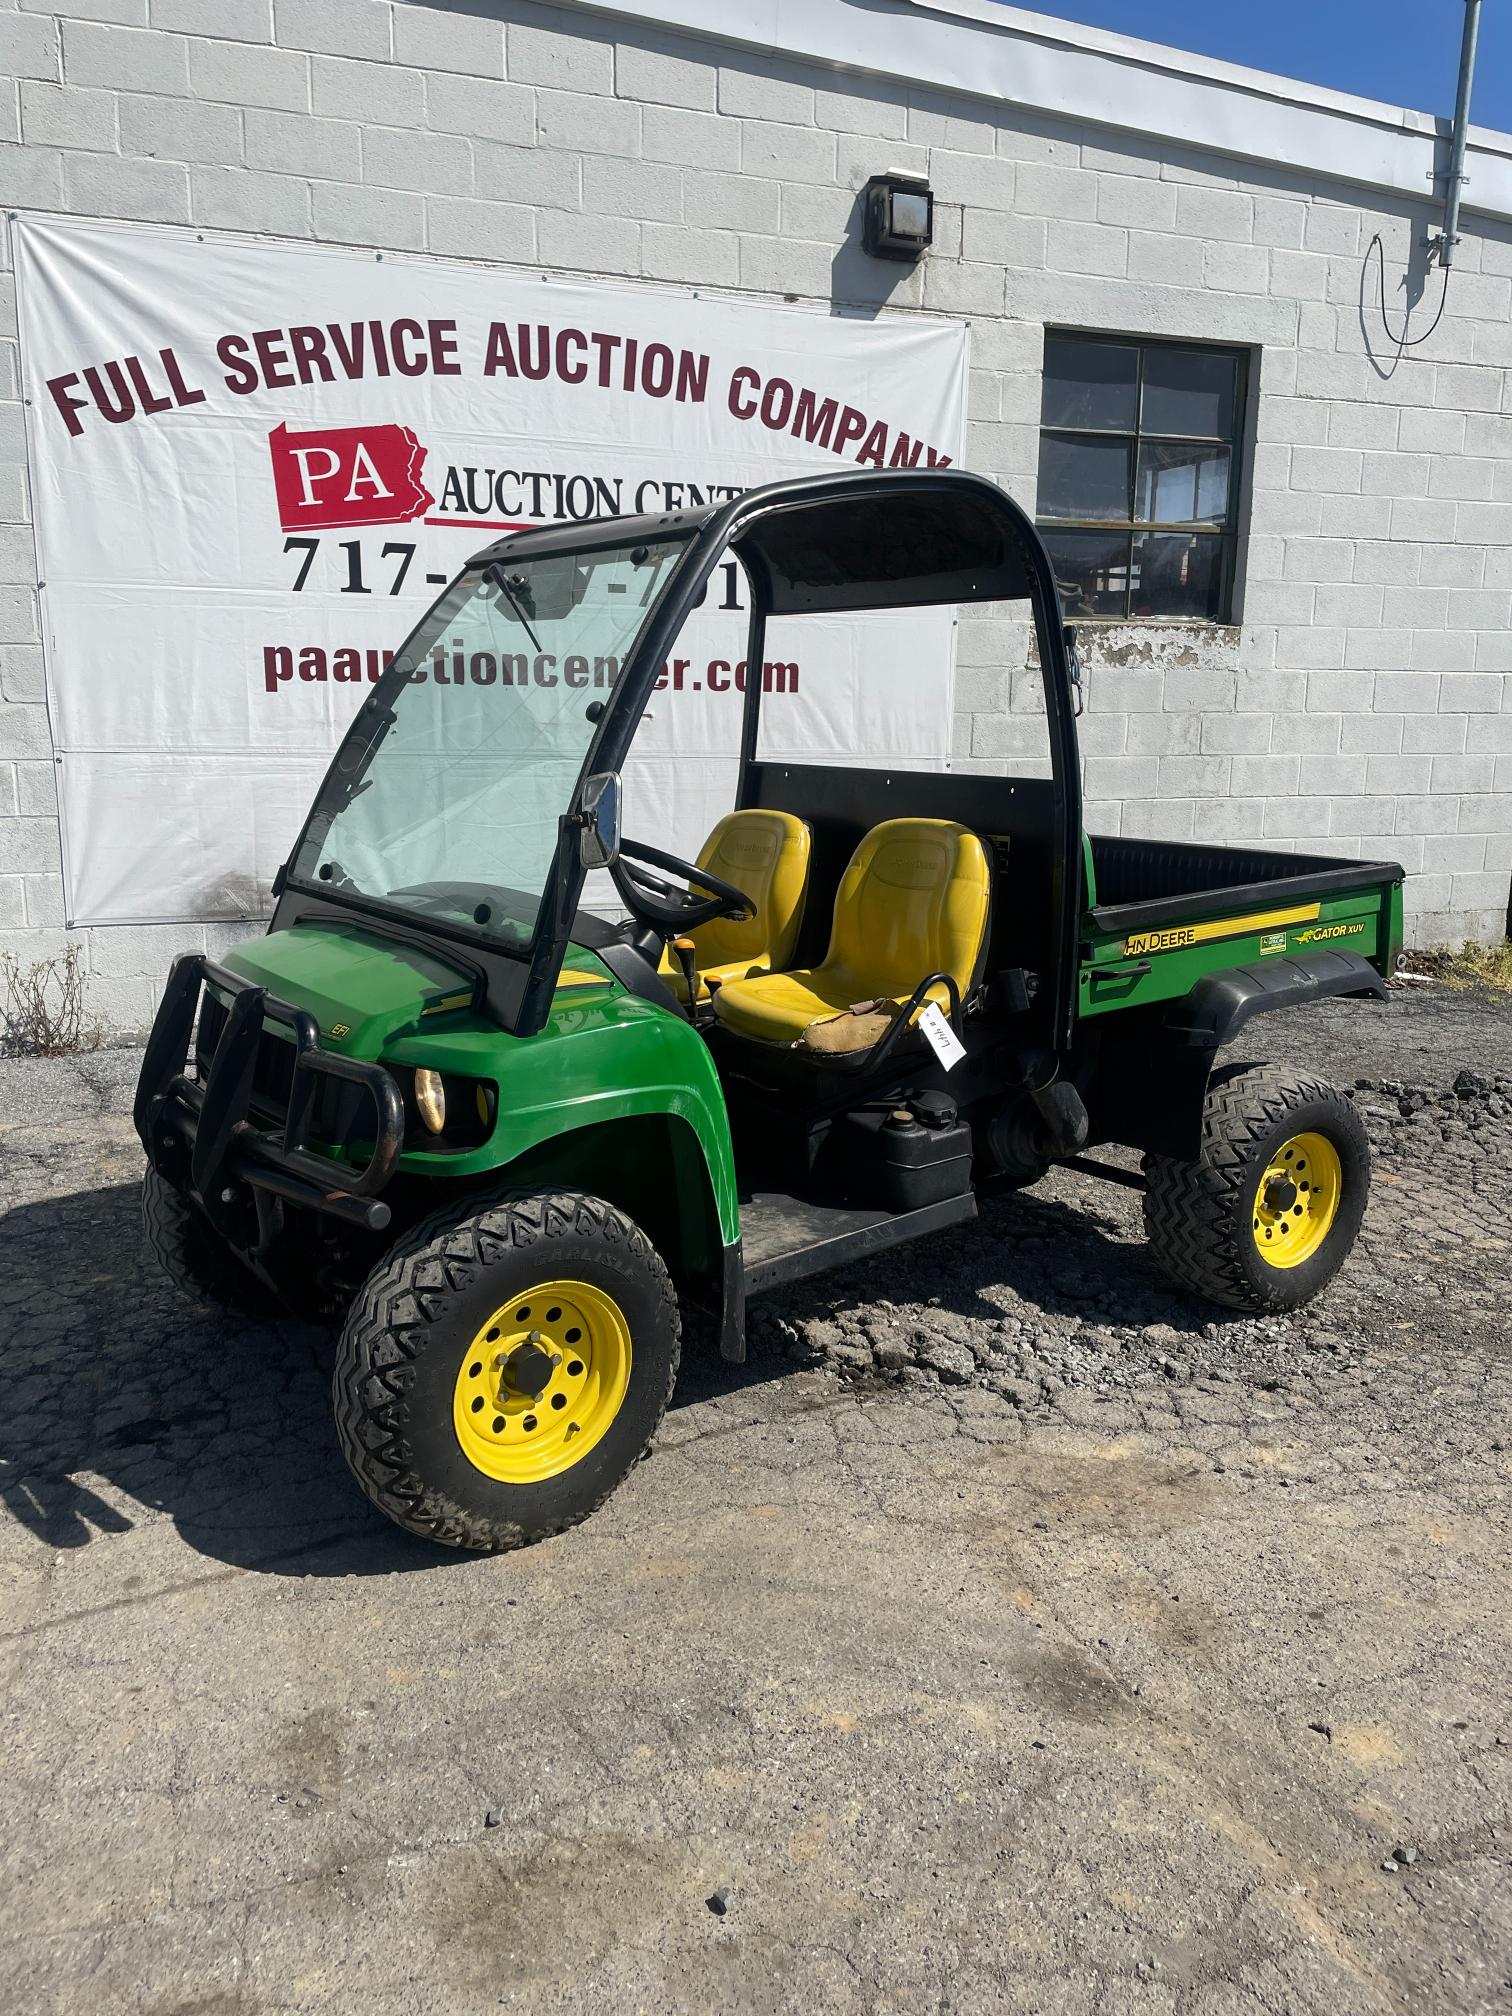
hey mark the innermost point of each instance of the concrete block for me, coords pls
(1393, 562)
(295, 143)
(1279, 221)
(1493, 651)
(1427, 518)
(103, 185)
(1468, 388)
(54, 115)
(350, 215)
(481, 108)
(1265, 776)
(1363, 426)
(1349, 602)
(1309, 647)
(36, 790)
(334, 27)
(241, 199)
(341, 88)
(647, 191)
(1194, 776)
(1483, 812)
(762, 94)
(1331, 776)
(1086, 248)
(32, 177)
(965, 289)
(229, 20)
(1427, 815)
(586, 244)
(30, 847)
(1293, 819)
(660, 77)
(977, 181)
(29, 48)
(1294, 423)
(1042, 191)
(1391, 472)
(695, 258)
(1208, 686)
(1340, 692)
(1235, 269)
(690, 139)
(1357, 518)
(1335, 469)
(1486, 890)
(863, 107)
(18, 606)
(1215, 214)
(1165, 261)
(1435, 734)
(746, 202)
(236, 73)
(1165, 734)
(1375, 734)
(1015, 242)
(1468, 773)
(1379, 650)
(1319, 560)
(1398, 774)
(1472, 693)
(1429, 430)
(443, 166)
(443, 38)
(570, 61)
(1303, 275)
(1472, 478)
(1331, 227)
(1353, 817)
(467, 227)
(528, 174)
(21, 672)
(783, 265)
(183, 129)
(1305, 734)
(1452, 567)
(1138, 201)
(574, 123)
(1161, 818)
(791, 153)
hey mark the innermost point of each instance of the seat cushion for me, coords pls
(913, 901)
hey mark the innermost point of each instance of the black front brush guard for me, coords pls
(200, 1137)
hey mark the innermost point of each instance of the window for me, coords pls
(1139, 476)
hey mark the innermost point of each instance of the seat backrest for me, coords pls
(914, 900)
(766, 856)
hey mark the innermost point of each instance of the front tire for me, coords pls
(194, 1257)
(504, 1367)
(1267, 1214)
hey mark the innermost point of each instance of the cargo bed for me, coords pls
(1159, 915)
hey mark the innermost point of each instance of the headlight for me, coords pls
(430, 1099)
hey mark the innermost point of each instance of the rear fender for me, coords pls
(1152, 1069)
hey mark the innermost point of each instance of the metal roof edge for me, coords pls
(1043, 65)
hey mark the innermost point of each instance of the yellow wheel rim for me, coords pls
(1297, 1200)
(542, 1382)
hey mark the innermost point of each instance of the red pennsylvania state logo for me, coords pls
(326, 477)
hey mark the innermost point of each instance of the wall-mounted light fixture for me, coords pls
(897, 213)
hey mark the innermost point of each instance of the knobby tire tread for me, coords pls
(383, 1332)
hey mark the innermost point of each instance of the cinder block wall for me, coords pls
(1362, 704)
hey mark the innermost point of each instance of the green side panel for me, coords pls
(603, 1055)
(1142, 967)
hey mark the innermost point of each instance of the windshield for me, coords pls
(445, 796)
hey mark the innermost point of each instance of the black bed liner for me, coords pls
(1141, 883)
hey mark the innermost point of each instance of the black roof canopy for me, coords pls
(855, 540)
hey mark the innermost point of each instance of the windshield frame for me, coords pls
(517, 977)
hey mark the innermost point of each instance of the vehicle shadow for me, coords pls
(123, 1398)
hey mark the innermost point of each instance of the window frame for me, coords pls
(1226, 532)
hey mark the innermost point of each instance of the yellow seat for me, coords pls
(766, 856)
(913, 901)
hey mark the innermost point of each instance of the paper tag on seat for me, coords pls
(940, 1037)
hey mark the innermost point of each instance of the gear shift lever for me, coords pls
(686, 953)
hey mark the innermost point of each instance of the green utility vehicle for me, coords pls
(505, 1140)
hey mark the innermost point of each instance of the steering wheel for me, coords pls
(668, 910)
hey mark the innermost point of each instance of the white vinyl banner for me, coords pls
(254, 466)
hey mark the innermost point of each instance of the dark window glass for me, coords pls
(1084, 476)
(1180, 483)
(1176, 574)
(1091, 571)
(1138, 475)
(1188, 392)
(1090, 384)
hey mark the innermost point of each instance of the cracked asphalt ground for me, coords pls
(1010, 1634)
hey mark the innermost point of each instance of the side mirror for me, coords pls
(1073, 660)
(599, 821)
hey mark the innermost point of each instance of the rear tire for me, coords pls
(1268, 1213)
(504, 1367)
(194, 1258)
